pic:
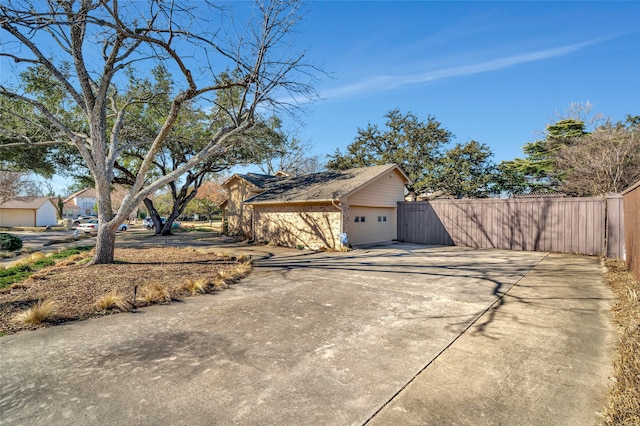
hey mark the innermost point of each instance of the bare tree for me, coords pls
(293, 158)
(16, 184)
(602, 162)
(582, 112)
(88, 46)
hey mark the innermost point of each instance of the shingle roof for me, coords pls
(325, 186)
(32, 203)
(258, 180)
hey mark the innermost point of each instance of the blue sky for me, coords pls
(496, 72)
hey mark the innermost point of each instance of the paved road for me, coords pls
(337, 338)
(37, 240)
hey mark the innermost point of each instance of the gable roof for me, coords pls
(258, 180)
(325, 186)
(86, 192)
(90, 192)
(28, 203)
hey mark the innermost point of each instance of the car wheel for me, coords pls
(76, 223)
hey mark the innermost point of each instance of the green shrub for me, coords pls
(10, 242)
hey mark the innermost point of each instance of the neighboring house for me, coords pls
(314, 210)
(84, 201)
(241, 187)
(31, 211)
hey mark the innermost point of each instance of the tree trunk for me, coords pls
(182, 198)
(105, 246)
(155, 217)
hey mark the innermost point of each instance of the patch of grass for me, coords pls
(241, 270)
(156, 293)
(113, 301)
(197, 286)
(224, 274)
(68, 252)
(37, 314)
(71, 260)
(623, 407)
(14, 274)
(36, 256)
(43, 263)
(24, 269)
(219, 284)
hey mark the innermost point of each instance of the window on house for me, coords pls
(362, 218)
(384, 218)
(357, 219)
(379, 218)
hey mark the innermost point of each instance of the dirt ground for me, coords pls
(141, 277)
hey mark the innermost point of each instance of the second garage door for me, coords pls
(369, 225)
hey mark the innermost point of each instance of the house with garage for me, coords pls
(317, 210)
(241, 187)
(28, 211)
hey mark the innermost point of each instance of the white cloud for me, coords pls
(386, 82)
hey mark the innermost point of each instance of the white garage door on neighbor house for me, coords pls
(369, 225)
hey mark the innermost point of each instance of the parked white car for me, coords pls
(84, 219)
(93, 225)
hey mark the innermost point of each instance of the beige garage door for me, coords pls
(17, 217)
(371, 225)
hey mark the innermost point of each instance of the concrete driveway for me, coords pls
(308, 338)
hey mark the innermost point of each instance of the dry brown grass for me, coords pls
(198, 286)
(241, 270)
(37, 314)
(73, 259)
(36, 256)
(623, 407)
(156, 293)
(155, 275)
(113, 301)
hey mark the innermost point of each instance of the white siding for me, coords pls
(385, 191)
(46, 215)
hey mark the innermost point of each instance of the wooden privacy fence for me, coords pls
(592, 226)
(632, 228)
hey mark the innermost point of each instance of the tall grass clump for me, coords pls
(156, 293)
(38, 313)
(198, 286)
(113, 301)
